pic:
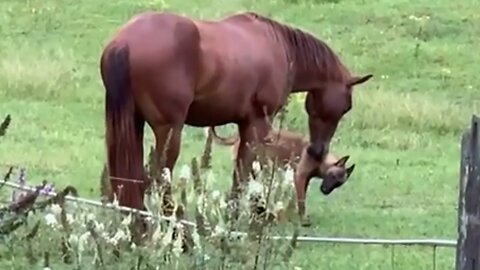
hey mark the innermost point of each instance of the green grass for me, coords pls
(403, 132)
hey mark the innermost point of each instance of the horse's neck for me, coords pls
(304, 79)
(309, 74)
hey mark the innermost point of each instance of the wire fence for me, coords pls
(433, 243)
(310, 239)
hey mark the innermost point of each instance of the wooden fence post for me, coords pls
(468, 243)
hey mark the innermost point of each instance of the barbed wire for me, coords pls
(359, 204)
(95, 203)
(308, 239)
(126, 179)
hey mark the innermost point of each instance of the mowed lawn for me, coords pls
(403, 132)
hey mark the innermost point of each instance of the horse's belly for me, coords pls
(203, 114)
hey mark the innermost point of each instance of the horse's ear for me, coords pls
(350, 170)
(359, 80)
(341, 162)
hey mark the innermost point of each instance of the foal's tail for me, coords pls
(220, 140)
(124, 129)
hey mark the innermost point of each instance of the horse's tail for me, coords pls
(124, 129)
(220, 140)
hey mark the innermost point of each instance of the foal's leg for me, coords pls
(251, 132)
(301, 188)
(303, 173)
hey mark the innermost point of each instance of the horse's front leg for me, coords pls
(251, 133)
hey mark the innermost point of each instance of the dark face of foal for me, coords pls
(336, 176)
(325, 108)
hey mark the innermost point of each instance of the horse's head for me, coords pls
(336, 175)
(325, 108)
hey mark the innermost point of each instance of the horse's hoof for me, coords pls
(305, 222)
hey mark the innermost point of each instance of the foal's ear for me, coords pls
(350, 170)
(341, 162)
(359, 80)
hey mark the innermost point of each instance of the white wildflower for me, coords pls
(69, 218)
(185, 172)
(166, 176)
(90, 216)
(278, 206)
(118, 236)
(157, 234)
(196, 239)
(149, 220)
(56, 209)
(82, 241)
(127, 220)
(289, 175)
(50, 219)
(200, 204)
(99, 226)
(446, 70)
(222, 204)
(218, 230)
(133, 246)
(419, 19)
(177, 244)
(256, 167)
(254, 187)
(167, 238)
(115, 202)
(73, 239)
(216, 195)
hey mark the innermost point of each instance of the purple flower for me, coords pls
(48, 188)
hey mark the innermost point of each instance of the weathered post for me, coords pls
(468, 245)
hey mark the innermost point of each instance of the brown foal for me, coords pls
(287, 147)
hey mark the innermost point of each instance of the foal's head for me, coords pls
(336, 175)
(325, 108)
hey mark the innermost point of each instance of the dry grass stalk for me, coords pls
(4, 125)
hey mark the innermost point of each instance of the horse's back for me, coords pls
(211, 69)
(238, 62)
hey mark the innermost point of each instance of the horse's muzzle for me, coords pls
(317, 151)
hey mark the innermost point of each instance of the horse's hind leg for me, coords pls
(167, 149)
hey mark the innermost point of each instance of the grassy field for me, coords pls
(403, 132)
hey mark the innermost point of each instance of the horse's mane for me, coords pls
(307, 50)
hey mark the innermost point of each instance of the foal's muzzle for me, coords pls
(327, 186)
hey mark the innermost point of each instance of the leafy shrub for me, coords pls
(53, 231)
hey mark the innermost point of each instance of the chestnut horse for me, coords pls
(169, 70)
